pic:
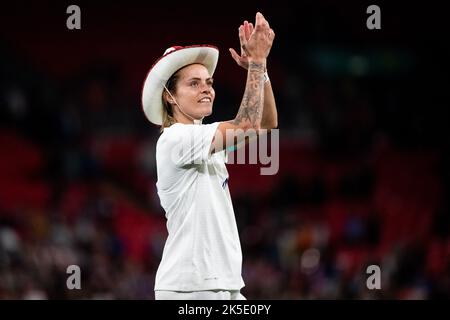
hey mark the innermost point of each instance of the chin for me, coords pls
(207, 112)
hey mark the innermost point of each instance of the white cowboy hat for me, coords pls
(172, 60)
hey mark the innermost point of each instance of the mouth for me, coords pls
(205, 100)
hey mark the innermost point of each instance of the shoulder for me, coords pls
(171, 133)
(183, 130)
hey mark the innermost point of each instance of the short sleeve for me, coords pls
(192, 143)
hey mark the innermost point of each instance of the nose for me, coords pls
(205, 88)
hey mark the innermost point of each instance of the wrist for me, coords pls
(254, 66)
(258, 61)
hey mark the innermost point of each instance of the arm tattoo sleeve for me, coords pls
(252, 103)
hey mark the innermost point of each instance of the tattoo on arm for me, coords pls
(252, 102)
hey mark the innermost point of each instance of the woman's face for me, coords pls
(194, 91)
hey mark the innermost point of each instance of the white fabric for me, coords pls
(199, 295)
(202, 251)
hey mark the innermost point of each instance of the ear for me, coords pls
(167, 97)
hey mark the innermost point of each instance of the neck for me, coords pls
(184, 119)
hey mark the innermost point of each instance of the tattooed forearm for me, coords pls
(252, 103)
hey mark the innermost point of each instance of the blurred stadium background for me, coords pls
(364, 141)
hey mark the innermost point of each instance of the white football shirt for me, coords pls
(202, 251)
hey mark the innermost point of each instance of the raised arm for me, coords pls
(270, 115)
(249, 116)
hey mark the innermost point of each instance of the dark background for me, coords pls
(364, 141)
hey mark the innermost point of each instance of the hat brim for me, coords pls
(165, 67)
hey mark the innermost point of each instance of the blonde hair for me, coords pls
(167, 115)
(168, 118)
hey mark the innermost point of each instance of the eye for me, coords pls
(194, 84)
